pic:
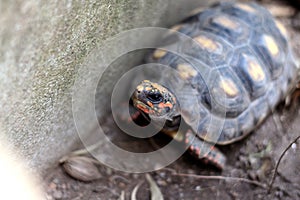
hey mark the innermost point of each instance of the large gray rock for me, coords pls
(43, 44)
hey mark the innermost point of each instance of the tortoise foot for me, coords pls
(205, 151)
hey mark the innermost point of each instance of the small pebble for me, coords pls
(279, 193)
(181, 194)
(75, 187)
(198, 188)
(57, 194)
(294, 146)
(169, 180)
(122, 185)
(52, 186)
(56, 181)
(63, 186)
(162, 174)
(108, 171)
(162, 183)
(254, 162)
(135, 176)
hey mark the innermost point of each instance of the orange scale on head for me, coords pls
(158, 87)
(140, 88)
(143, 108)
(147, 88)
(150, 104)
(161, 105)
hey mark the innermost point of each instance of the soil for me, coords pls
(253, 158)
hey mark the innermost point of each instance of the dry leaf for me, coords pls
(155, 191)
(81, 168)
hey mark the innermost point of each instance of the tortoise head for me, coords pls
(155, 100)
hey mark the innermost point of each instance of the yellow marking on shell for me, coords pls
(159, 53)
(254, 69)
(228, 87)
(245, 7)
(186, 71)
(271, 45)
(226, 22)
(282, 29)
(207, 43)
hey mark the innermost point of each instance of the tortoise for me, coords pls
(249, 54)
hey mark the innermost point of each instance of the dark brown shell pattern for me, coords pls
(250, 62)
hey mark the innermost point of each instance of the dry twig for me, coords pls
(277, 164)
(223, 178)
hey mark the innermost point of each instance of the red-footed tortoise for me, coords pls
(251, 56)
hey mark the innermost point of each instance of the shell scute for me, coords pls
(240, 63)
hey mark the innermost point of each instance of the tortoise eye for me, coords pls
(155, 97)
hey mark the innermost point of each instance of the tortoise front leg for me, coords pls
(205, 151)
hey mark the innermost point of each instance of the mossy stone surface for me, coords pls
(43, 44)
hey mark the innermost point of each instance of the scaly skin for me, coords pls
(160, 104)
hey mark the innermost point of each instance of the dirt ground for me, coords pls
(253, 158)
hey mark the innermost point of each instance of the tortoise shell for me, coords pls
(250, 62)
